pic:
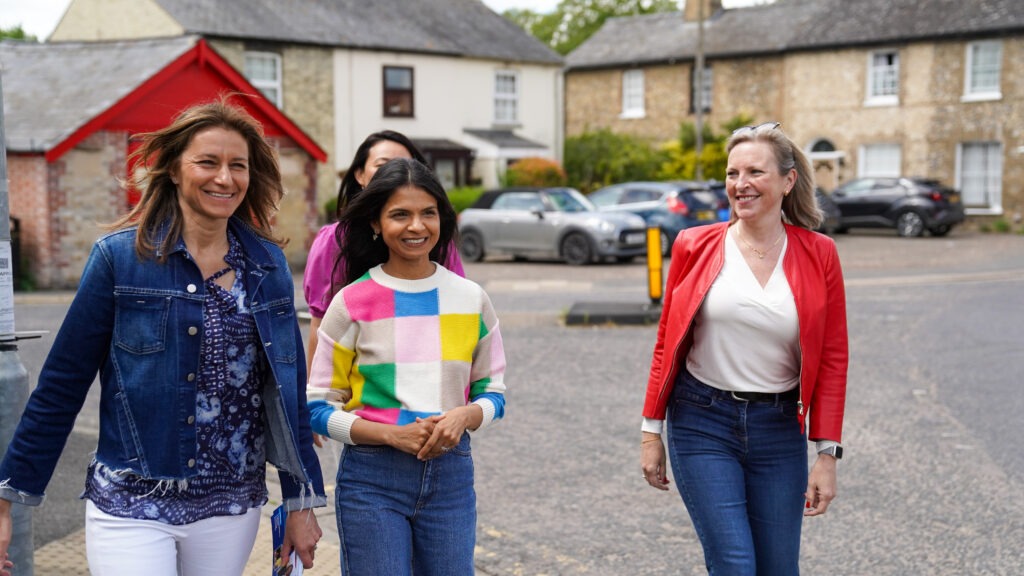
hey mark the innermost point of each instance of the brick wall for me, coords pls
(821, 95)
(28, 177)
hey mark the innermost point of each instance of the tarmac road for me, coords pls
(933, 479)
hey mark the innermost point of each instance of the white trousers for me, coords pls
(127, 547)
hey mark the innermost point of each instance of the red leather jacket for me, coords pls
(811, 264)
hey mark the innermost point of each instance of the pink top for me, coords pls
(323, 254)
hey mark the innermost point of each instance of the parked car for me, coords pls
(910, 205)
(548, 222)
(830, 210)
(671, 206)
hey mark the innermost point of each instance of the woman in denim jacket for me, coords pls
(186, 311)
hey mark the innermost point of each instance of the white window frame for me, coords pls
(506, 101)
(972, 91)
(992, 173)
(877, 77)
(706, 88)
(265, 85)
(892, 169)
(633, 93)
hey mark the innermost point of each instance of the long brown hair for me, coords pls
(159, 156)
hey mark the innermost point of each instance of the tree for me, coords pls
(573, 21)
(596, 159)
(16, 33)
(681, 156)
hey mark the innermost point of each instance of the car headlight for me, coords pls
(604, 226)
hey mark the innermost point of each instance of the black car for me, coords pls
(910, 205)
(830, 211)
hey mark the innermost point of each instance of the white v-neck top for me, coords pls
(746, 338)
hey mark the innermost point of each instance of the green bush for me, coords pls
(596, 159)
(331, 209)
(464, 196)
(535, 172)
(1001, 225)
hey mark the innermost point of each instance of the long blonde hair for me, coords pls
(800, 206)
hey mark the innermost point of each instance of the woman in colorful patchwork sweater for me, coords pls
(418, 348)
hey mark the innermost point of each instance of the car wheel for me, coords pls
(941, 230)
(576, 249)
(909, 224)
(666, 244)
(472, 246)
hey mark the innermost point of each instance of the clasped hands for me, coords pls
(430, 437)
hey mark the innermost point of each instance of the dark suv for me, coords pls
(910, 205)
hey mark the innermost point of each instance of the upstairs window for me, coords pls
(884, 78)
(984, 69)
(263, 70)
(398, 91)
(506, 97)
(703, 84)
(633, 94)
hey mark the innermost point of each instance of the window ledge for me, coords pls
(981, 97)
(505, 125)
(990, 211)
(633, 115)
(878, 101)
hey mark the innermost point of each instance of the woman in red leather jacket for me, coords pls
(750, 363)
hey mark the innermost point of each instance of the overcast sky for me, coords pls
(39, 17)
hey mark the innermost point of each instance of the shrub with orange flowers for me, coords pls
(535, 172)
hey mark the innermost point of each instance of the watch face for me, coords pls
(836, 451)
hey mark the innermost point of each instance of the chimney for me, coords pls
(691, 11)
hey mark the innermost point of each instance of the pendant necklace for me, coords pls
(761, 253)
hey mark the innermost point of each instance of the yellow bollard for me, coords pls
(654, 264)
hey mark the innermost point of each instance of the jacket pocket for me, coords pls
(282, 329)
(140, 322)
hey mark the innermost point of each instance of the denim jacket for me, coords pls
(139, 324)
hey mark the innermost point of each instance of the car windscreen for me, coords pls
(701, 199)
(569, 200)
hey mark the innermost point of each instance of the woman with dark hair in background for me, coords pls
(750, 361)
(325, 265)
(418, 351)
(186, 310)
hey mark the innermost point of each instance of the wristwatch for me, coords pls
(836, 451)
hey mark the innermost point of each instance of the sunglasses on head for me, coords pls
(754, 128)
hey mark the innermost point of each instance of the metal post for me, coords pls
(698, 92)
(13, 375)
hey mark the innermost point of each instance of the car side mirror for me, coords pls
(538, 213)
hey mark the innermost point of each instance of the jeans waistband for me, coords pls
(791, 395)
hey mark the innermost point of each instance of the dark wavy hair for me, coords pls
(160, 157)
(359, 250)
(350, 187)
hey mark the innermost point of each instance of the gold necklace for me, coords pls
(761, 253)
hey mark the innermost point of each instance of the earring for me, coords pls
(375, 235)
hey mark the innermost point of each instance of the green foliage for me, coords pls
(595, 159)
(16, 33)
(681, 154)
(1001, 225)
(535, 172)
(464, 196)
(331, 209)
(574, 21)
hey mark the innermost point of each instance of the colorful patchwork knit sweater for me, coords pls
(405, 349)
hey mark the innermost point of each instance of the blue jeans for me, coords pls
(741, 468)
(399, 516)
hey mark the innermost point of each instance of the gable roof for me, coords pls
(465, 28)
(56, 95)
(793, 25)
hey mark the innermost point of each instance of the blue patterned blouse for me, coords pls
(231, 457)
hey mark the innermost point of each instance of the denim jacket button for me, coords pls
(191, 377)
(191, 288)
(191, 419)
(192, 330)
(191, 462)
